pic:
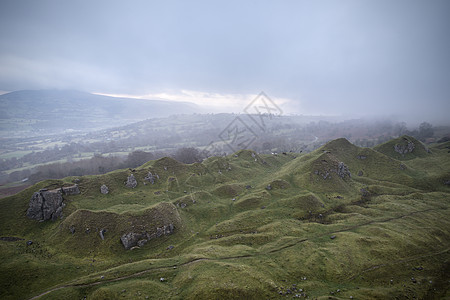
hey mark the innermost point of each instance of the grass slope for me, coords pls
(246, 226)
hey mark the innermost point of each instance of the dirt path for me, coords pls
(137, 274)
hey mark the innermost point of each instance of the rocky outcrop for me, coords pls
(151, 178)
(343, 171)
(132, 239)
(104, 189)
(405, 148)
(131, 182)
(70, 190)
(46, 205)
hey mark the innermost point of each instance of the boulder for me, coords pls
(131, 182)
(405, 148)
(343, 171)
(151, 178)
(104, 189)
(45, 205)
(102, 233)
(132, 239)
(70, 190)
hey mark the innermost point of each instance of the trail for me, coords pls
(268, 252)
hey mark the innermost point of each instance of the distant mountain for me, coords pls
(61, 110)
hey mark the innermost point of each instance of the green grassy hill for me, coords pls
(339, 222)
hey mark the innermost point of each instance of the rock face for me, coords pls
(104, 189)
(132, 239)
(131, 182)
(151, 178)
(45, 205)
(343, 171)
(403, 149)
(70, 190)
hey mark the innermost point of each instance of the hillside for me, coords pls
(34, 112)
(341, 222)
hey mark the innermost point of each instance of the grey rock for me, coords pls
(360, 173)
(332, 237)
(403, 149)
(361, 157)
(142, 242)
(104, 189)
(29, 243)
(268, 187)
(70, 190)
(343, 171)
(102, 233)
(170, 247)
(131, 182)
(45, 205)
(132, 239)
(151, 178)
(72, 229)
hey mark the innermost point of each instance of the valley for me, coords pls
(341, 222)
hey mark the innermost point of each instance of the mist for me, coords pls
(344, 58)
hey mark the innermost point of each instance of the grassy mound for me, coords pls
(338, 222)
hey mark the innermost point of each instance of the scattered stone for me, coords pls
(46, 205)
(360, 173)
(104, 189)
(102, 277)
(87, 230)
(72, 229)
(413, 280)
(234, 199)
(333, 237)
(402, 167)
(102, 233)
(361, 157)
(76, 180)
(162, 279)
(249, 186)
(268, 187)
(263, 207)
(29, 243)
(183, 205)
(170, 247)
(447, 182)
(131, 182)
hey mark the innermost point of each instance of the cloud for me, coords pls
(210, 102)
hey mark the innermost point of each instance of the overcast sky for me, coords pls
(315, 57)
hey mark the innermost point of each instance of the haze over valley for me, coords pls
(225, 150)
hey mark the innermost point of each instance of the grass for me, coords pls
(235, 237)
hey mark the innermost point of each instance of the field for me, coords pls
(341, 222)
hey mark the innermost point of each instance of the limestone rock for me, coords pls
(102, 233)
(151, 178)
(45, 205)
(70, 190)
(132, 239)
(131, 182)
(403, 149)
(104, 189)
(342, 170)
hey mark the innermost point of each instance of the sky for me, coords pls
(346, 57)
